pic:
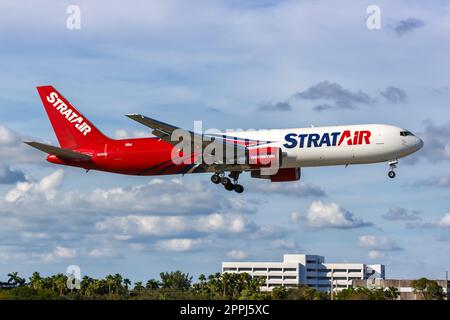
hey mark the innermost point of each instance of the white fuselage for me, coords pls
(337, 145)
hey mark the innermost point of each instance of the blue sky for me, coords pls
(265, 64)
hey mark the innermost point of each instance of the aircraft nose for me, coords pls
(419, 143)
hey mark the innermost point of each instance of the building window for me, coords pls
(340, 270)
(354, 270)
(259, 269)
(275, 277)
(290, 277)
(275, 269)
(245, 269)
(311, 261)
(290, 269)
(311, 270)
(229, 269)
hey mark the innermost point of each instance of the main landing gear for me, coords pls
(392, 165)
(227, 182)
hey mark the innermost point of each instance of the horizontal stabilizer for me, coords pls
(59, 152)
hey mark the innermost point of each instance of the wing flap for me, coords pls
(59, 152)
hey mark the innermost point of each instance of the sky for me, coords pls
(232, 65)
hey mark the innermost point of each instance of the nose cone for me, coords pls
(419, 143)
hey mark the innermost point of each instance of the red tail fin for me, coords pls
(72, 129)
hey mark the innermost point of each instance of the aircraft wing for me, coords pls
(164, 131)
(59, 152)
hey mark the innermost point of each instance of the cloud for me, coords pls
(297, 188)
(444, 222)
(58, 253)
(132, 226)
(436, 181)
(436, 142)
(408, 25)
(378, 243)
(10, 176)
(332, 91)
(178, 245)
(397, 213)
(13, 150)
(284, 244)
(328, 215)
(102, 253)
(374, 254)
(394, 95)
(279, 106)
(45, 187)
(154, 215)
(323, 107)
(236, 254)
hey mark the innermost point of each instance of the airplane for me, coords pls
(275, 154)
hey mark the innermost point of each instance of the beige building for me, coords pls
(403, 286)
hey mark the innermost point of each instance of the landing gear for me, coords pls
(226, 181)
(392, 165)
(219, 178)
(215, 178)
(238, 188)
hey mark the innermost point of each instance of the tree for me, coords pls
(391, 293)
(152, 284)
(138, 286)
(15, 280)
(127, 283)
(61, 283)
(434, 291)
(36, 280)
(175, 280)
(428, 289)
(279, 293)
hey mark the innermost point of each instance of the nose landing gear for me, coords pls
(226, 182)
(392, 165)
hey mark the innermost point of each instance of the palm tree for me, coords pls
(127, 283)
(152, 284)
(15, 280)
(118, 282)
(36, 280)
(110, 280)
(60, 282)
(138, 285)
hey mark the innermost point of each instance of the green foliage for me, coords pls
(177, 285)
(175, 280)
(428, 289)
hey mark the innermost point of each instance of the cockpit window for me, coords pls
(406, 133)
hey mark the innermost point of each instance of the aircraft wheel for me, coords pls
(229, 186)
(226, 181)
(391, 174)
(238, 188)
(215, 178)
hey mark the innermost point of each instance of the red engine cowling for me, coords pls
(265, 157)
(283, 175)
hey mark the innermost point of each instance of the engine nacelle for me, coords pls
(283, 175)
(265, 157)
